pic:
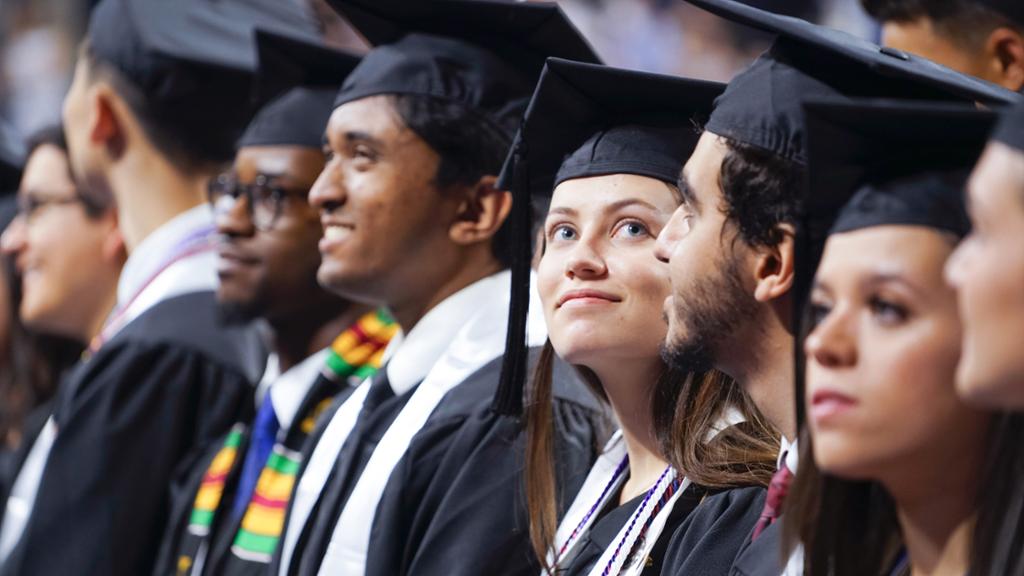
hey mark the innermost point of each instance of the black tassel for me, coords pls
(508, 400)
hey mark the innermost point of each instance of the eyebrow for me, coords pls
(687, 191)
(613, 207)
(360, 136)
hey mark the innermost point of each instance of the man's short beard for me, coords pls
(237, 313)
(716, 306)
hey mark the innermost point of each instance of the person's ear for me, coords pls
(482, 212)
(774, 270)
(1005, 47)
(113, 247)
(107, 120)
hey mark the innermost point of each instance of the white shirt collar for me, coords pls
(422, 347)
(288, 390)
(791, 452)
(153, 251)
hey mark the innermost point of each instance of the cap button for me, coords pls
(890, 51)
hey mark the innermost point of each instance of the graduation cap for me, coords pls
(762, 105)
(883, 162)
(1012, 9)
(284, 62)
(589, 120)
(297, 118)
(1010, 130)
(193, 60)
(300, 79)
(485, 54)
(11, 159)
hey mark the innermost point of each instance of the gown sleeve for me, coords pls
(709, 540)
(139, 418)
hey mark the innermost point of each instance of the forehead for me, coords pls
(374, 115)
(597, 192)
(703, 168)
(299, 162)
(915, 252)
(47, 166)
(998, 178)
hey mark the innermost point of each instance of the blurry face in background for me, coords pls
(881, 359)
(600, 284)
(69, 262)
(270, 271)
(987, 271)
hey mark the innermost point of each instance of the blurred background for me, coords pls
(38, 39)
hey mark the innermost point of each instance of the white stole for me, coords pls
(478, 342)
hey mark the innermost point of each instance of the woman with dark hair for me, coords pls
(62, 254)
(613, 177)
(898, 474)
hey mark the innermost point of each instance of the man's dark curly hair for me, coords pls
(760, 190)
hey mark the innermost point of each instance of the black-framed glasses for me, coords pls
(29, 205)
(264, 200)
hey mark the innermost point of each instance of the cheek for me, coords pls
(549, 277)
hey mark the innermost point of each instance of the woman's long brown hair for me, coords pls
(686, 408)
(849, 528)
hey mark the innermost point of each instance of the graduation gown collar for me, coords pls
(287, 390)
(477, 340)
(177, 258)
(417, 352)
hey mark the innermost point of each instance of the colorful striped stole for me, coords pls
(354, 355)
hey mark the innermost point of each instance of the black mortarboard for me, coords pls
(1012, 9)
(193, 60)
(485, 54)
(762, 105)
(1010, 130)
(285, 62)
(884, 162)
(590, 120)
(297, 118)
(11, 159)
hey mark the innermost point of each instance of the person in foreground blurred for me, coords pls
(72, 240)
(163, 379)
(901, 475)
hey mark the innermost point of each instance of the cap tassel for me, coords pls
(508, 399)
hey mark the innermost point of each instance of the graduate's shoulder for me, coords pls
(711, 537)
(188, 324)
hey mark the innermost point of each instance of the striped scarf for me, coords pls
(353, 356)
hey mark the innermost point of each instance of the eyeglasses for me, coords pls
(29, 205)
(264, 201)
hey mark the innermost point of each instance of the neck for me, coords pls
(629, 386)
(150, 192)
(102, 312)
(413, 307)
(764, 367)
(935, 509)
(296, 337)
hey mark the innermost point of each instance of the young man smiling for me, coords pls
(413, 221)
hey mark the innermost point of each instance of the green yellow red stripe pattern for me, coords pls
(356, 353)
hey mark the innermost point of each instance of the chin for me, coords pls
(842, 460)
(990, 391)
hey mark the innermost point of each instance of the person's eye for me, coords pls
(632, 229)
(328, 153)
(562, 233)
(818, 311)
(363, 152)
(886, 311)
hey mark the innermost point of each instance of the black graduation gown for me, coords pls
(709, 541)
(180, 545)
(131, 420)
(456, 505)
(603, 532)
(459, 480)
(762, 557)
